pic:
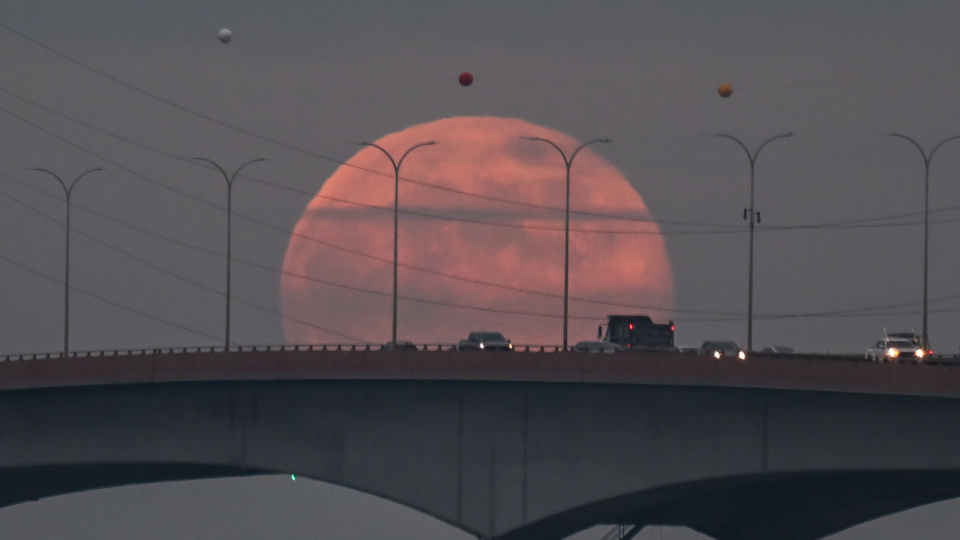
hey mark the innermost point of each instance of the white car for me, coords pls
(895, 350)
(485, 341)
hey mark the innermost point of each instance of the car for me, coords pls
(898, 349)
(723, 348)
(779, 349)
(598, 346)
(399, 346)
(485, 341)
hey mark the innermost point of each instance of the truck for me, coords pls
(634, 332)
(898, 347)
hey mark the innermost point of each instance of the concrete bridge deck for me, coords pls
(504, 445)
(826, 373)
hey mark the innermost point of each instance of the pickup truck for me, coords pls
(895, 349)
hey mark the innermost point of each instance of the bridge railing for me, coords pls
(352, 347)
(938, 360)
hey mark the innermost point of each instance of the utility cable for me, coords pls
(318, 155)
(382, 208)
(307, 278)
(736, 229)
(106, 301)
(739, 230)
(303, 150)
(553, 84)
(735, 316)
(333, 246)
(174, 274)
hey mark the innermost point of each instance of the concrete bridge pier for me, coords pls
(505, 447)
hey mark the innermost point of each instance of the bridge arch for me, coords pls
(511, 459)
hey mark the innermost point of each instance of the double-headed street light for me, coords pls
(926, 221)
(566, 239)
(396, 212)
(754, 218)
(67, 191)
(229, 178)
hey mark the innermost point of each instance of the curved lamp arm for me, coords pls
(240, 168)
(411, 149)
(396, 164)
(67, 190)
(926, 157)
(584, 145)
(753, 157)
(551, 143)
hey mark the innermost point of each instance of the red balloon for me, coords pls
(466, 79)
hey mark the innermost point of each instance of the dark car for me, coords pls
(485, 341)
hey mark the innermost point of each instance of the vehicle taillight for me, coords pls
(672, 328)
(631, 326)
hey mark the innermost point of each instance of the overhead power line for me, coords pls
(560, 83)
(843, 224)
(729, 229)
(106, 301)
(317, 155)
(175, 275)
(734, 228)
(724, 316)
(329, 245)
(303, 277)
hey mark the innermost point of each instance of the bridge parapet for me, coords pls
(511, 446)
(833, 373)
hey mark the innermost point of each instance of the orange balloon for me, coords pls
(725, 90)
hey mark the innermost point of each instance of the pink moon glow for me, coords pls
(477, 155)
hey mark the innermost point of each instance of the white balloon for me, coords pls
(224, 35)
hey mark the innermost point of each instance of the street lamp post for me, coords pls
(566, 239)
(229, 178)
(754, 218)
(396, 212)
(67, 191)
(926, 221)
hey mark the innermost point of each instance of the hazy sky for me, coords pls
(316, 75)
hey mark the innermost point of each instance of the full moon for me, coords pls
(481, 241)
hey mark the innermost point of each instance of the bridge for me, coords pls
(511, 446)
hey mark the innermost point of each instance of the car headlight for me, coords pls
(742, 355)
(893, 353)
(481, 345)
(511, 345)
(919, 353)
(716, 354)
